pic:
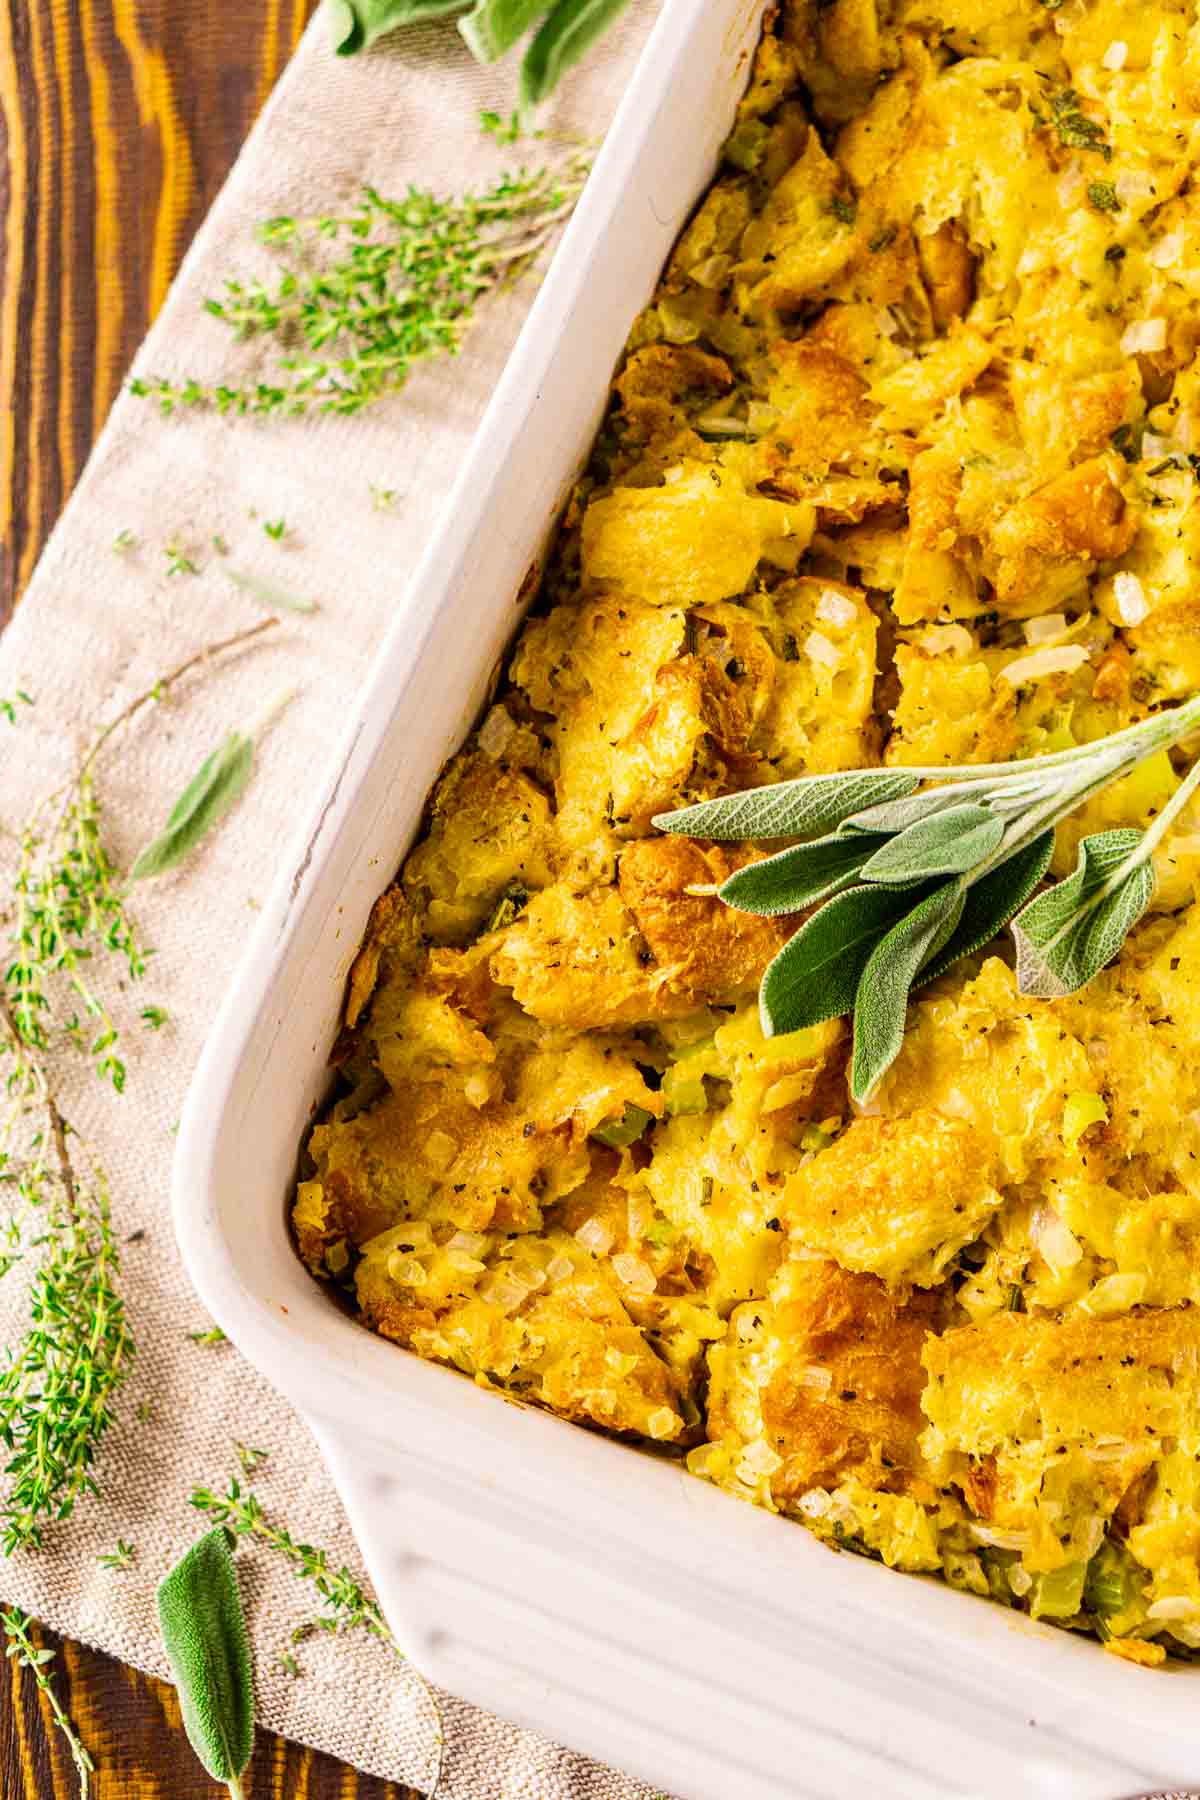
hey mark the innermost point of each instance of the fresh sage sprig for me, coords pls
(215, 787)
(565, 29)
(910, 869)
(204, 1632)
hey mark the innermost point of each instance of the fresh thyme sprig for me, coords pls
(345, 1604)
(910, 869)
(401, 286)
(69, 904)
(38, 1661)
(58, 1380)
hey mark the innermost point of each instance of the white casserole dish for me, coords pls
(564, 1581)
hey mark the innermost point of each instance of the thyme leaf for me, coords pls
(38, 1659)
(361, 299)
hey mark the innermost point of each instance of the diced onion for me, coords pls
(822, 650)
(817, 1379)
(663, 1423)
(1045, 629)
(407, 1270)
(784, 1092)
(1057, 1242)
(760, 1457)
(474, 1243)
(1114, 56)
(954, 638)
(1130, 597)
(1175, 1606)
(1061, 659)
(559, 1268)
(504, 1290)
(466, 1265)
(998, 1539)
(835, 609)
(440, 1150)
(496, 732)
(1019, 1580)
(634, 1273)
(414, 1234)
(1114, 1294)
(1144, 337)
(1109, 1449)
(711, 272)
(1134, 184)
(595, 1236)
(1168, 252)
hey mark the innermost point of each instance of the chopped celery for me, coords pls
(747, 145)
(1114, 1581)
(683, 1087)
(1059, 1594)
(1081, 1112)
(618, 1134)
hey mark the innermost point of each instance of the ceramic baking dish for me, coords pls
(562, 1580)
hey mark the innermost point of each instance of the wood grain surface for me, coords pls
(119, 120)
(131, 1726)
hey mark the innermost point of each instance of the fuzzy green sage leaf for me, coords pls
(1068, 934)
(799, 808)
(949, 843)
(356, 24)
(991, 903)
(816, 974)
(492, 27)
(881, 1001)
(208, 796)
(571, 29)
(798, 878)
(204, 1632)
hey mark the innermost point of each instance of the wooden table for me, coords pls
(118, 122)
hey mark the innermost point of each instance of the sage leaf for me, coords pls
(816, 974)
(794, 879)
(356, 24)
(572, 27)
(948, 843)
(204, 1632)
(893, 966)
(802, 808)
(208, 796)
(1066, 936)
(275, 599)
(991, 903)
(492, 27)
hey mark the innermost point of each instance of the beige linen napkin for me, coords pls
(94, 630)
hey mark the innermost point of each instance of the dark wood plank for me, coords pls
(118, 122)
(131, 1726)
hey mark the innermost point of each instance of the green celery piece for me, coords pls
(1059, 1593)
(618, 1134)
